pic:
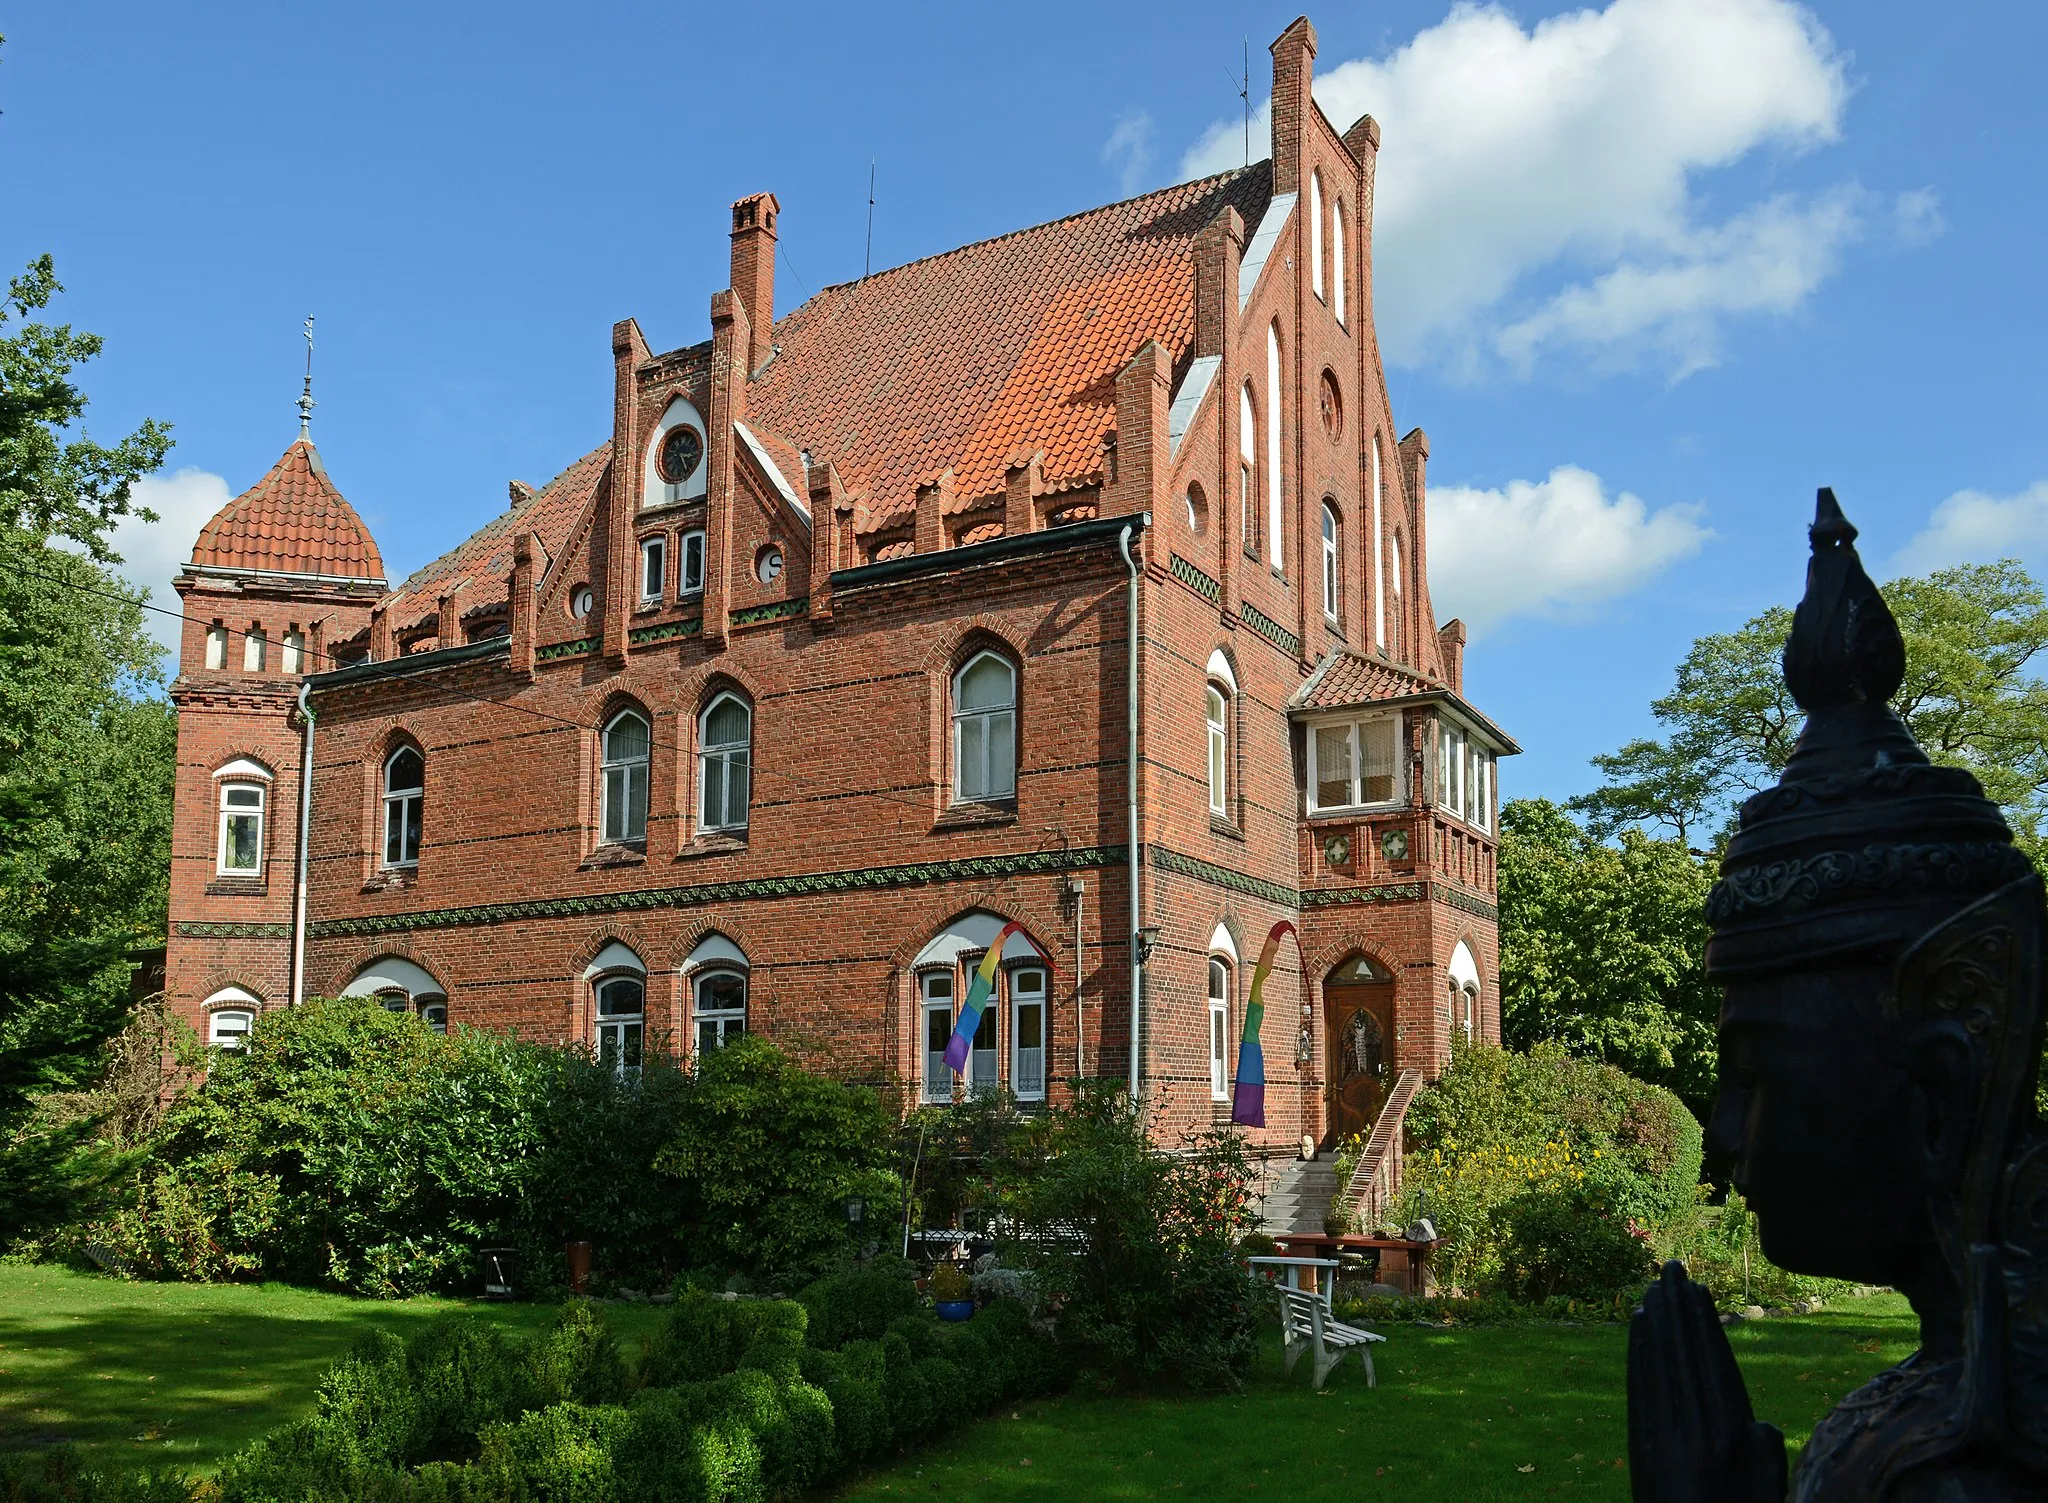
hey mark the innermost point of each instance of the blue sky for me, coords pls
(1648, 272)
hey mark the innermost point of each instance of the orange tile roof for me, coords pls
(958, 360)
(1350, 678)
(485, 557)
(292, 521)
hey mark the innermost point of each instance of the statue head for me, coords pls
(1879, 939)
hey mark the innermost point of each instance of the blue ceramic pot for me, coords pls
(955, 1309)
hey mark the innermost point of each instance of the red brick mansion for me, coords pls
(1074, 578)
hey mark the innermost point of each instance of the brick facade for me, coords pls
(935, 463)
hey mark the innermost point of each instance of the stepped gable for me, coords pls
(485, 556)
(957, 360)
(292, 521)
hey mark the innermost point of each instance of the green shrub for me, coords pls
(63, 1476)
(577, 1359)
(706, 1336)
(1569, 1242)
(461, 1374)
(857, 1304)
(561, 1454)
(1719, 1247)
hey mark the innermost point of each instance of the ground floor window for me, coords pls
(1219, 1029)
(1027, 1041)
(936, 989)
(721, 1008)
(621, 1022)
(229, 1028)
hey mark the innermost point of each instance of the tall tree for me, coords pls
(86, 747)
(1972, 697)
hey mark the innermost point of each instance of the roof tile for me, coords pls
(292, 521)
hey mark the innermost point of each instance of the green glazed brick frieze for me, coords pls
(1477, 907)
(1270, 629)
(204, 929)
(1386, 892)
(1222, 876)
(1209, 589)
(809, 884)
(566, 649)
(775, 610)
(668, 631)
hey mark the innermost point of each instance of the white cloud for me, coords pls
(152, 553)
(1570, 150)
(1916, 217)
(1554, 547)
(1973, 528)
(1129, 148)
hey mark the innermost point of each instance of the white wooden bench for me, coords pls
(1306, 1324)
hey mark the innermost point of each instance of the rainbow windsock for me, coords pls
(1248, 1104)
(978, 992)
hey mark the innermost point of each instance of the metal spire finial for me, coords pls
(306, 397)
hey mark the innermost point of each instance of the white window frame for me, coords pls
(1219, 1028)
(619, 1036)
(398, 803)
(1466, 768)
(726, 766)
(1276, 532)
(1332, 536)
(937, 993)
(225, 1009)
(1248, 468)
(1315, 232)
(653, 569)
(257, 812)
(984, 1065)
(1337, 258)
(725, 1021)
(619, 777)
(1395, 616)
(1216, 715)
(1022, 1002)
(255, 650)
(990, 726)
(217, 646)
(1355, 752)
(690, 581)
(1379, 566)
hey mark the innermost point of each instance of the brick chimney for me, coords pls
(753, 269)
(1294, 69)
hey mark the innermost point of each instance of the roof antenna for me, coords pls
(1244, 92)
(306, 396)
(868, 261)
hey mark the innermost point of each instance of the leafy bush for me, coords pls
(1719, 1247)
(62, 1476)
(858, 1304)
(1136, 1249)
(1568, 1241)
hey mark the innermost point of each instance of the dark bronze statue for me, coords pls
(1880, 941)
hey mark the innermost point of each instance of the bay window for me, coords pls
(1354, 763)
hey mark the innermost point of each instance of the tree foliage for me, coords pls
(1971, 697)
(1601, 945)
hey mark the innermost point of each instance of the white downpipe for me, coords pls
(298, 991)
(1123, 543)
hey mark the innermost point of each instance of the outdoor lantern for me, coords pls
(1148, 941)
(855, 1208)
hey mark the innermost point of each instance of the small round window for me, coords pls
(1331, 403)
(682, 450)
(768, 564)
(580, 601)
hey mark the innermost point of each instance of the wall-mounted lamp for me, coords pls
(1147, 940)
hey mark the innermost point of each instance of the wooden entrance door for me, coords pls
(1359, 1016)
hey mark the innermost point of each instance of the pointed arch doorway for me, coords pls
(1358, 1020)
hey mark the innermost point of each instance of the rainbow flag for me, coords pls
(1248, 1103)
(979, 990)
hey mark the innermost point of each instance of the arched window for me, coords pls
(719, 1007)
(725, 735)
(627, 742)
(1337, 259)
(985, 730)
(935, 993)
(244, 796)
(1315, 232)
(1027, 1033)
(621, 1022)
(1329, 561)
(1379, 571)
(405, 779)
(1219, 1028)
(1198, 509)
(1247, 470)
(1275, 537)
(1394, 612)
(230, 1014)
(1218, 717)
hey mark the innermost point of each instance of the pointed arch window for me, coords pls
(719, 1007)
(725, 742)
(1218, 718)
(1247, 470)
(1275, 542)
(985, 730)
(405, 781)
(1337, 259)
(1331, 537)
(1219, 1028)
(1027, 1032)
(1395, 617)
(1379, 570)
(627, 745)
(1315, 232)
(621, 1022)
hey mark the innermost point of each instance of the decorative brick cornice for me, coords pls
(965, 869)
(1385, 892)
(1270, 629)
(1222, 876)
(208, 929)
(1466, 902)
(668, 631)
(575, 649)
(775, 610)
(1209, 589)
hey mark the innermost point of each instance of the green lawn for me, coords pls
(183, 1374)
(1496, 1412)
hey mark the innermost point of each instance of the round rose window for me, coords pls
(1331, 402)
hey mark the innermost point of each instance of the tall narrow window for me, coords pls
(1337, 259)
(720, 1006)
(1396, 636)
(241, 829)
(216, 646)
(1247, 471)
(1219, 751)
(693, 563)
(405, 779)
(653, 569)
(254, 648)
(621, 1023)
(981, 1054)
(1379, 570)
(293, 658)
(1027, 1038)
(1219, 1029)
(627, 743)
(1275, 537)
(725, 735)
(985, 730)
(1329, 561)
(936, 988)
(1315, 232)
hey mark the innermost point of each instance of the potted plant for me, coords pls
(952, 1295)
